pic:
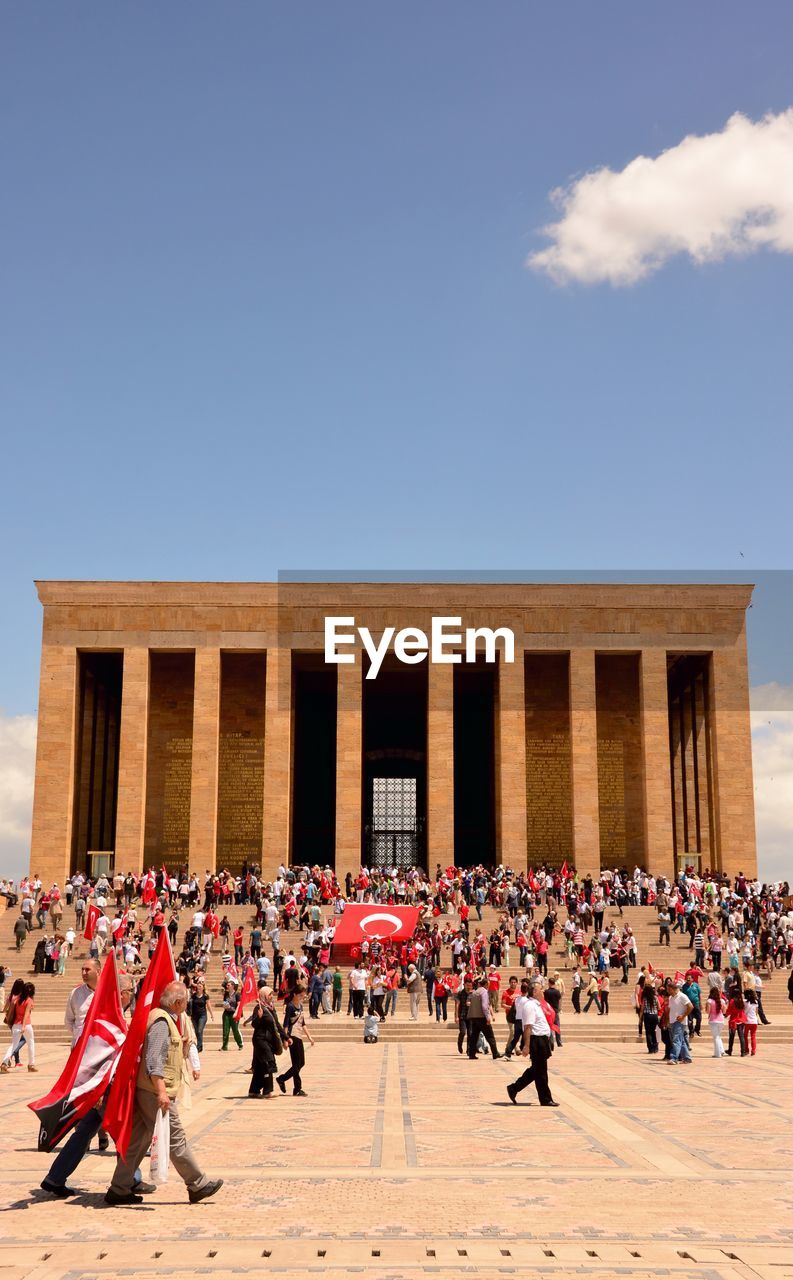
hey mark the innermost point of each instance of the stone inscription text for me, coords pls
(240, 799)
(548, 795)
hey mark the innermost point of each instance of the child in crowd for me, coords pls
(371, 1027)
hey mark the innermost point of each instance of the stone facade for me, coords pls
(620, 733)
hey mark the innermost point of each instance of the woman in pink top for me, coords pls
(22, 1027)
(736, 1016)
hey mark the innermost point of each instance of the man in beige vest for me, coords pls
(160, 1078)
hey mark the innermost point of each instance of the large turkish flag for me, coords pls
(368, 920)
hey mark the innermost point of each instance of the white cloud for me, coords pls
(709, 197)
(772, 753)
(17, 768)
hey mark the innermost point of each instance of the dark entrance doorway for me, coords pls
(474, 766)
(98, 739)
(395, 767)
(314, 762)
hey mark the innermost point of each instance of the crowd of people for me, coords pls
(278, 973)
(739, 929)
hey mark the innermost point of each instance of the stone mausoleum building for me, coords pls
(201, 724)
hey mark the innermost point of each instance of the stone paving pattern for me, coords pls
(406, 1159)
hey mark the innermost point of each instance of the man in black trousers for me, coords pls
(480, 1020)
(538, 1046)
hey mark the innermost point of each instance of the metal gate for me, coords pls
(395, 835)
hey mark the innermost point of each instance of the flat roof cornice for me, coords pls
(684, 595)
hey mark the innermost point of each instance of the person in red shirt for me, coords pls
(510, 995)
(21, 1011)
(736, 1018)
(441, 996)
(238, 945)
(493, 987)
(465, 912)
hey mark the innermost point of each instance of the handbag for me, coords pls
(278, 1044)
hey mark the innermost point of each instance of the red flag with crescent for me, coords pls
(249, 991)
(121, 930)
(121, 1099)
(368, 920)
(91, 916)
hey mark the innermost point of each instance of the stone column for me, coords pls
(584, 762)
(511, 763)
(732, 760)
(131, 808)
(440, 765)
(659, 854)
(349, 769)
(277, 762)
(204, 779)
(53, 800)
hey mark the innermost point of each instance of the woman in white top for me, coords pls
(716, 1020)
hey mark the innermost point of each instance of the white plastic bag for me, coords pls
(160, 1149)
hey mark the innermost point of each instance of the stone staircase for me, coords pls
(619, 1026)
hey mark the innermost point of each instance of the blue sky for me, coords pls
(265, 300)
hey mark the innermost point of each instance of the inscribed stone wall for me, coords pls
(169, 759)
(620, 783)
(241, 760)
(549, 825)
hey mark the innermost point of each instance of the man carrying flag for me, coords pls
(76, 1100)
(158, 1084)
(537, 1046)
(249, 991)
(148, 892)
(121, 1100)
(118, 928)
(91, 918)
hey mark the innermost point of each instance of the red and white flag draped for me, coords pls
(550, 1016)
(362, 920)
(121, 1099)
(91, 916)
(249, 991)
(120, 931)
(148, 891)
(89, 1065)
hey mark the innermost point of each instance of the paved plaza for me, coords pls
(406, 1160)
